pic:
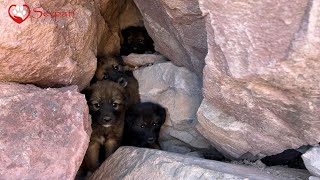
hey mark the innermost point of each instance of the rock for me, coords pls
(178, 30)
(313, 178)
(178, 90)
(261, 79)
(137, 60)
(312, 161)
(44, 133)
(50, 51)
(142, 163)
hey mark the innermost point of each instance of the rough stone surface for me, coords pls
(311, 160)
(178, 90)
(262, 78)
(135, 163)
(313, 178)
(50, 51)
(178, 29)
(138, 60)
(44, 133)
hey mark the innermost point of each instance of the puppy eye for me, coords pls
(155, 124)
(142, 126)
(96, 105)
(115, 67)
(140, 41)
(106, 76)
(115, 105)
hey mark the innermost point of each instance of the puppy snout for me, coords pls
(107, 119)
(122, 82)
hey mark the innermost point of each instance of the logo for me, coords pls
(22, 12)
(19, 13)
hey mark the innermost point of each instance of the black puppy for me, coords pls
(142, 125)
(136, 40)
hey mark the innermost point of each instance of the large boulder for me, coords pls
(50, 51)
(178, 29)
(262, 78)
(143, 164)
(178, 90)
(44, 133)
(311, 160)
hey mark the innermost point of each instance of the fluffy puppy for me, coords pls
(110, 68)
(136, 40)
(107, 105)
(142, 125)
(113, 68)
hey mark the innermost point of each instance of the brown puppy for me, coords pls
(107, 107)
(110, 68)
(113, 68)
(136, 40)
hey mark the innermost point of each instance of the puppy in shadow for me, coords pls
(107, 106)
(112, 68)
(136, 40)
(142, 125)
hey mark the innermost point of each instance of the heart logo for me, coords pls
(19, 13)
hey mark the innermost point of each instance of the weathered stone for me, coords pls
(138, 60)
(313, 178)
(262, 78)
(50, 51)
(311, 160)
(44, 133)
(178, 90)
(178, 30)
(142, 163)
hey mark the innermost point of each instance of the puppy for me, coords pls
(110, 68)
(113, 68)
(142, 125)
(136, 40)
(107, 105)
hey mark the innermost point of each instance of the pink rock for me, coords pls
(143, 163)
(261, 79)
(137, 60)
(50, 51)
(44, 133)
(178, 30)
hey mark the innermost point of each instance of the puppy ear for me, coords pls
(87, 92)
(130, 116)
(161, 112)
(118, 57)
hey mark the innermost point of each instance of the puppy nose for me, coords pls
(122, 82)
(107, 118)
(150, 140)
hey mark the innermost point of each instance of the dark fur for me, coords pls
(112, 68)
(136, 40)
(107, 107)
(142, 125)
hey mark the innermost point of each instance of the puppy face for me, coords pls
(145, 121)
(111, 68)
(107, 102)
(136, 42)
